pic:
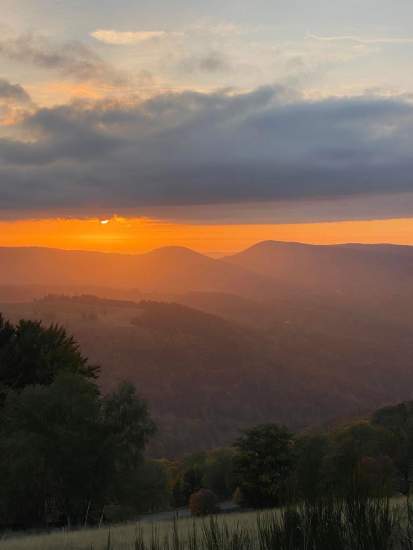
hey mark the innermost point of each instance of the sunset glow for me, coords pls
(136, 235)
(129, 127)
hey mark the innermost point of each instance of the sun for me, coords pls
(104, 222)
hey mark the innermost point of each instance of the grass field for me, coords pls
(122, 537)
(336, 525)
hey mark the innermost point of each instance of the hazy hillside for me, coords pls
(163, 270)
(338, 269)
(206, 377)
(267, 271)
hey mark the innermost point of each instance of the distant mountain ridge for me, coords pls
(162, 270)
(258, 272)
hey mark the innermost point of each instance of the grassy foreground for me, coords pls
(118, 537)
(353, 525)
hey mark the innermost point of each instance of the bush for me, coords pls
(203, 503)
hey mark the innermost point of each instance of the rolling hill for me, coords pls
(207, 377)
(166, 270)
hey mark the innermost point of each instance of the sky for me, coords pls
(205, 124)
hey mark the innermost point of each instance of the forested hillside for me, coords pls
(205, 377)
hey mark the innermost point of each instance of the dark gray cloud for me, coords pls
(211, 63)
(72, 59)
(194, 149)
(13, 92)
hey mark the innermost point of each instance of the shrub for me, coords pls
(202, 503)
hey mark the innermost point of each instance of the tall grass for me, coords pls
(354, 524)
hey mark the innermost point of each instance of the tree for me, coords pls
(349, 448)
(129, 427)
(218, 472)
(31, 354)
(398, 420)
(65, 450)
(53, 452)
(264, 464)
(310, 451)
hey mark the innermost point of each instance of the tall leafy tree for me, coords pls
(129, 427)
(53, 445)
(264, 464)
(64, 449)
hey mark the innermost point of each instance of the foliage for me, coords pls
(203, 503)
(264, 464)
(398, 420)
(353, 450)
(128, 427)
(310, 464)
(53, 452)
(64, 449)
(218, 473)
(32, 354)
(213, 470)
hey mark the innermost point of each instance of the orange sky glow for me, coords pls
(136, 235)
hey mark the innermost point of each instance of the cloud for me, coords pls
(361, 40)
(128, 38)
(71, 59)
(15, 103)
(212, 62)
(204, 149)
(120, 38)
(13, 92)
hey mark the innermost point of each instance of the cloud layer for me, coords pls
(193, 149)
(70, 59)
(13, 92)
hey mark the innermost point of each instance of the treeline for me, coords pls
(270, 466)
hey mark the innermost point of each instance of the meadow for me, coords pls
(123, 536)
(356, 524)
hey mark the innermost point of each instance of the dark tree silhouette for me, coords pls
(264, 464)
(33, 354)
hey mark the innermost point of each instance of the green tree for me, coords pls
(129, 427)
(350, 446)
(264, 464)
(31, 354)
(65, 451)
(53, 452)
(218, 472)
(398, 420)
(309, 472)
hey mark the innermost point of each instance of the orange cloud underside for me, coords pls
(134, 235)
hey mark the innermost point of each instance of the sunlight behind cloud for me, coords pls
(119, 38)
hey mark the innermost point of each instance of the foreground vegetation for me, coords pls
(351, 524)
(72, 457)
